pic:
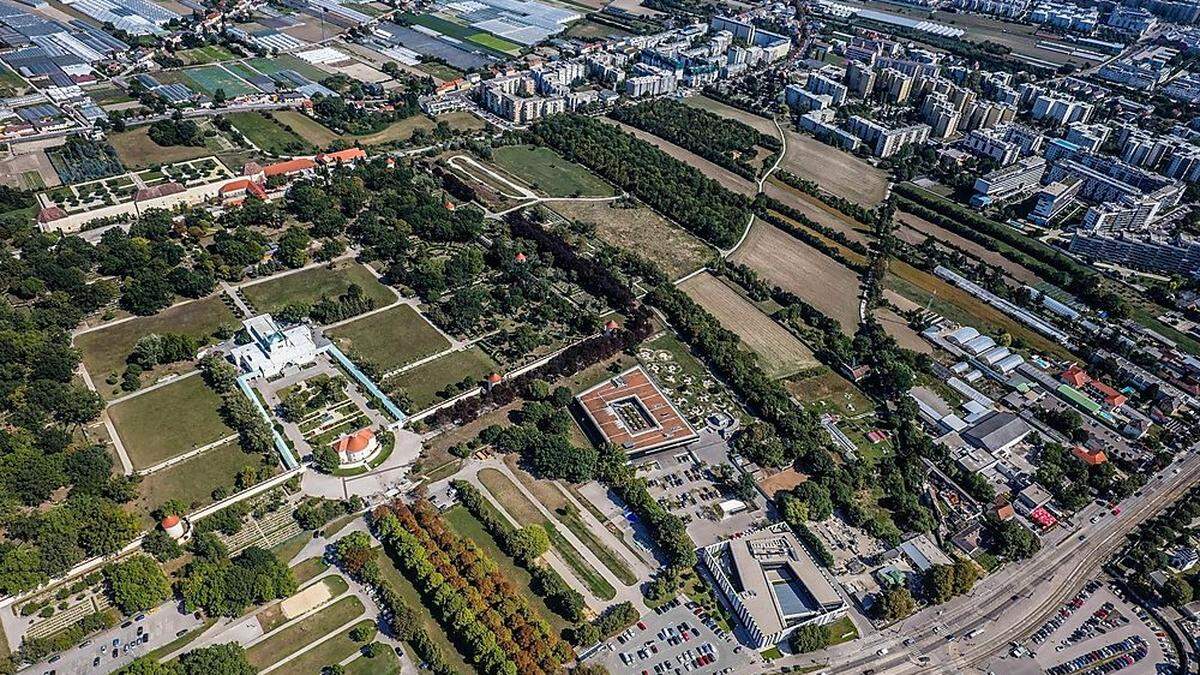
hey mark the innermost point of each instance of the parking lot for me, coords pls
(672, 640)
(682, 480)
(1095, 633)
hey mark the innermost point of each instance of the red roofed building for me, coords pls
(236, 191)
(292, 167)
(1090, 457)
(347, 156)
(356, 447)
(1005, 511)
(173, 526)
(1094, 389)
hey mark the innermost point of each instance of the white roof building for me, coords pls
(272, 350)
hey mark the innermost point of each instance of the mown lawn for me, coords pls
(268, 135)
(193, 480)
(390, 339)
(310, 285)
(168, 421)
(423, 383)
(545, 170)
(295, 637)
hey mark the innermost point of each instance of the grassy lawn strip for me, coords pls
(390, 339)
(548, 494)
(307, 570)
(387, 663)
(105, 350)
(187, 406)
(290, 548)
(193, 480)
(312, 284)
(466, 525)
(504, 491)
(137, 151)
(329, 652)
(404, 587)
(423, 383)
(293, 638)
(545, 170)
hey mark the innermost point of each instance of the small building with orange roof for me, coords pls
(1089, 456)
(348, 156)
(292, 167)
(356, 447)
(237, 190)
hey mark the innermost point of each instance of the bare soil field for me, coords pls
(780, 352)
(839, 172)
(13, 170)
(762, 124)
(921, 228)
(642, 230)
(725, 177)
(819, 212)
(897, 327)
(794, 266)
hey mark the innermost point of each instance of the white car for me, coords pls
(881, 651)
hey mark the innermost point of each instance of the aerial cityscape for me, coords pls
(599, 336)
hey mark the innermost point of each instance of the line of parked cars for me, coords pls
(1065, 613)
(1108, 659)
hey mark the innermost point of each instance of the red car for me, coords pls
(1116, 511)
(641, 625)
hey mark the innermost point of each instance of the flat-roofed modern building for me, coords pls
(772, 584)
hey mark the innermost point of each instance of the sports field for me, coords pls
(440, 70)
(105, 350)
(280, 62)
(779, 352)
(193, 480)
(310, 285)
(169, 421)
(641, 230)
(269, 135)
(390, 339)
(545, 171)
(205, 54)
(423, 383)
(791, 264)
(137, 151)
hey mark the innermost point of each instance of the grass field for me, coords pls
(32, 180)
(506, 493)
(299, 635)
(390, 339)
(546, 171)
(466, 525)
(423, 382)
(791, 264)
(820, 213)
(309, 129)
(826, 391)
(169, 421)
(137, 151)
(386, 663)
(209, 79)
(273, 617)
(307, 570)
(267, 134)
(11, 83)
(332, 651)
(205, 54)
(495, 43)
(407, 592)
(641, 230)
(440, 70)
(193, 480)
(105, 350)
(280, 62)
(310, 285)
(780, 353)
(919, 229)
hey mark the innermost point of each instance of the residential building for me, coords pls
(885, 141)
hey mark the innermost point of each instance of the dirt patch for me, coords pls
(641, 230)
(794, 266)
(780, 352)
(305, 601)
(895, 325)
(839, 172)
(817, 211)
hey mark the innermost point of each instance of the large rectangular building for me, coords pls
(631, 412)
(772, 584)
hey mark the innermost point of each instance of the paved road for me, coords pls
(1011, 603)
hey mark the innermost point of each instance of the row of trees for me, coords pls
(679, 191)
(525, 545)
(721, 140)
(477, 605)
